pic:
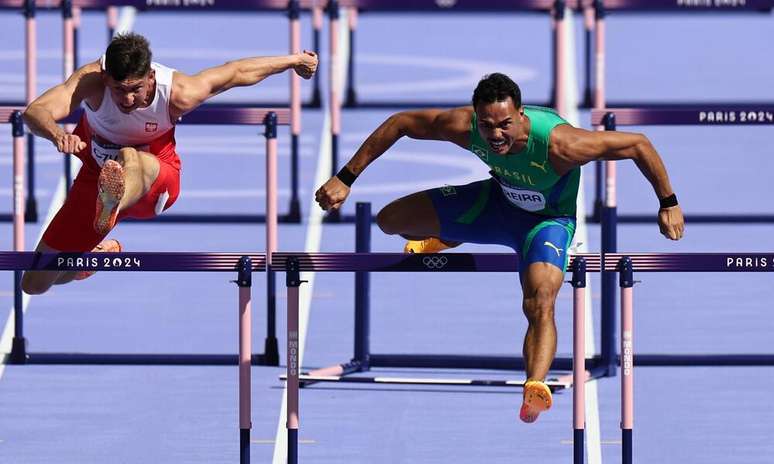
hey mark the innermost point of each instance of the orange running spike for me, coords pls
(111, 190)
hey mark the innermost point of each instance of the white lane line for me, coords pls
(125, 22)
(313, 237)
(301, 441)
(593, 440)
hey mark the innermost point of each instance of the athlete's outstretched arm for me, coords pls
(430, 124)
(571, 147)
(188, 92)
(57, 102)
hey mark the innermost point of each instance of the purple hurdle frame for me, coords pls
(243, 264)
(623, 263)
(244, 282)
(387, 262)
(17, 132)
(459, 6)
(579, 372)
(626, 282)
(605, 203)
(270, 118)
(600, 9)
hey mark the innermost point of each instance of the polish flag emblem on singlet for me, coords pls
(151, 126)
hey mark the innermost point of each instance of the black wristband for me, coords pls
(668, 202)
(346, 176)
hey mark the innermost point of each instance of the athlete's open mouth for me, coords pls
(497, 144)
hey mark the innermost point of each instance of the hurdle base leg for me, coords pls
(270, 352)
(31, 210)
(579, 446)
(596, 214)
(588, 99)
(351, 100)
(315, 101)
(333, 216)
(626, 436)
(244, 446)
(293, 216)
(18, 353)
(292, 446)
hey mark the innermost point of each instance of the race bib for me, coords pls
(104, 151)
(528, 200)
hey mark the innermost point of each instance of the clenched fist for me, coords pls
(671, 222)
(307, 64)
(332, 194)
(69, 143)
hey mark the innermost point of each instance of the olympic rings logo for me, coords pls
(435, 262)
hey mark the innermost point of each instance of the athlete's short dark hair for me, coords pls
(128, 55)
(496, 87)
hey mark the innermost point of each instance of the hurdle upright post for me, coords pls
(19, 344)
(626, 282)
(334, 100)
(560, 31)
(578, 283)
(609, 245)
(244, 282)
(351, 100)
(68, 66)
(362, 289)
(271, 348)
(31, 76)
(588, 28)
(317, 25)
(599, 99)
(294, 211)
(111, 18)
(293, 282)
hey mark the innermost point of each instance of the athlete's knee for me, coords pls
(389, 219)
(539, 304)
(128, 156)
(35, 283)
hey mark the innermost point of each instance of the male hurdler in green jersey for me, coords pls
(528, 203)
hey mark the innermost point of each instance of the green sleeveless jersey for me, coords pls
(527, 179)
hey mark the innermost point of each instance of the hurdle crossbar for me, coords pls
(294, 263)
(625, 264)
(244, 264)
(730, 114)
(465, 6)
(595, 12)
(429, 6)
